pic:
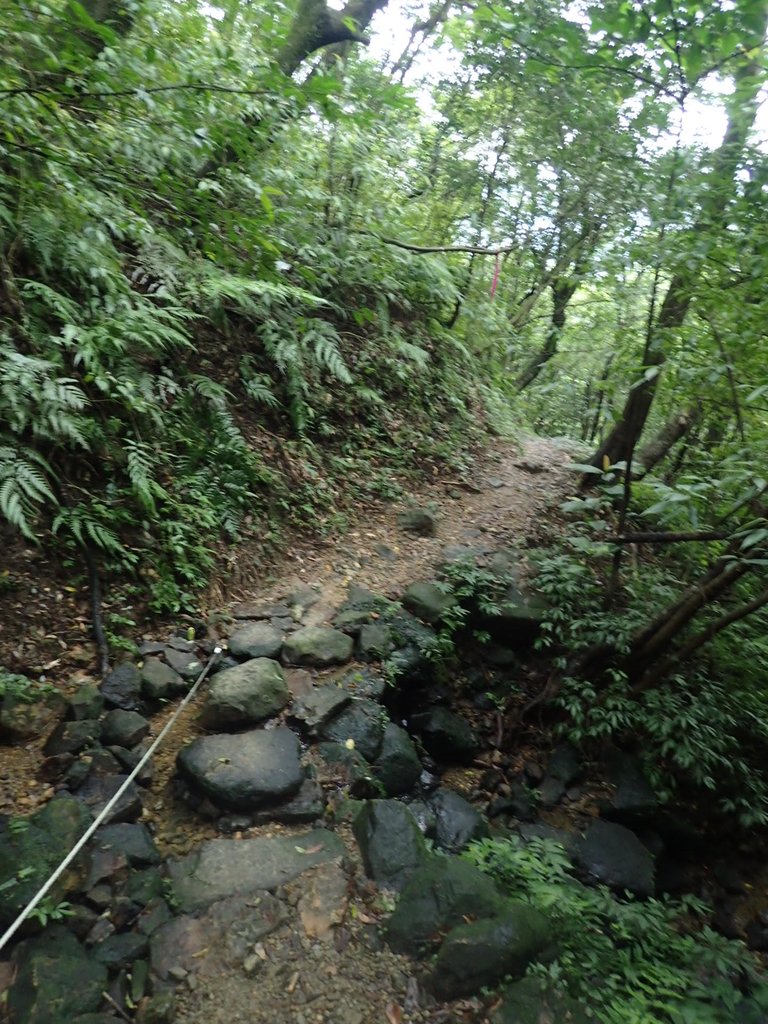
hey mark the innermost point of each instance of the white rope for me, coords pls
(99, 819)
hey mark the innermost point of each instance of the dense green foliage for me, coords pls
(249, 273)
(630, 962)
(186, 355)
(253, 273)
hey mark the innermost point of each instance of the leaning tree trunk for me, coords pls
(315, 26)
(679, 655)
(563, 289)
(674, 430)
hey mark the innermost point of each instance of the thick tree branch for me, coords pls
(316, 26)
(652, 537)
(476, 250)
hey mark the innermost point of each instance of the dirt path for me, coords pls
(508, 498)
(505, 499)
(350, 977)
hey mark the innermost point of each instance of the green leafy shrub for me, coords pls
(651, 962)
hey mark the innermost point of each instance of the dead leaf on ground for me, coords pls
(394, 1013)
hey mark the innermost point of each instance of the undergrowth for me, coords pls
(631, 962)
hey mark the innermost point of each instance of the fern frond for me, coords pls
(24, 488)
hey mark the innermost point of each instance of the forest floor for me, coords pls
(508, 498)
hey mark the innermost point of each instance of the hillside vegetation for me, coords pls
(250, 271)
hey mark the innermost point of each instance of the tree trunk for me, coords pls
(659, 447)
(654, 642)
(563, 289)
(621, 441)
(314, 26)
(681, 654)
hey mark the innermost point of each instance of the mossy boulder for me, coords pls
(440, 895)
(31, 848)
(480, 954)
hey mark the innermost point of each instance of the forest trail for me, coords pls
(347, 975)
(505, 498)
(317, 957)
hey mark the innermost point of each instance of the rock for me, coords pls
(362, 722)
(351, 620)
(464, 553)
(155, 914)
(538, 830)
(441, 894)
(520, 803)
(612, 855)
(633, 801)
(86, 702)
(564, 764)
(30, 854)
(428, 601)
(319, 705)
(124, 728)
(180, 641)
(21, 720)
(160, 682)
(256, 640)
(159, 1009)
(260, 610)
(299, 682)
(408, 632)
(72, 737)
(244, 771)
(323, 901)
(244, 695)
(302, 598)
(421, 521)
(134, 841)
(317, 645)
(364, 683)
(103, 761)
(532, 1001)
(129, 759)
(56, 980)
(147, 647)
(119, 951)
(457, 822)
(97, 791)
(226, 867)
(517, 619)
(425, 817)
(145, 885)
(105, 863)
(185, 663)
(374, 641)
(479, 955)
(391, 845)
(445, 735)
(398, 766)
(233, 925)
(308, 805)
(563, 769)
(353, 772)
(122, 687)
(500, 656)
